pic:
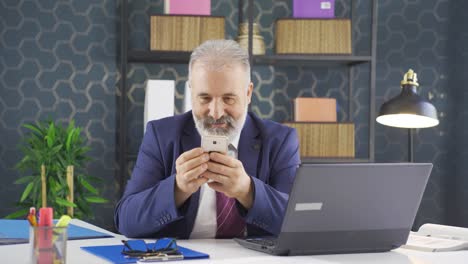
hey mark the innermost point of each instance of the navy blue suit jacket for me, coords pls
(268, 151)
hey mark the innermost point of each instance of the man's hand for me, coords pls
(230, 178)
(189, 166)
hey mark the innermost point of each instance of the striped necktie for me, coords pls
(229, 223)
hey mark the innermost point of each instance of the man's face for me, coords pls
(220, 99)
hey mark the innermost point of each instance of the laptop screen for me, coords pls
(360, 196)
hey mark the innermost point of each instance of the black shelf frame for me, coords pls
(310, 60)
(122, 154)
(145, 56)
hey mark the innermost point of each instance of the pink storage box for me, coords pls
(187, 7)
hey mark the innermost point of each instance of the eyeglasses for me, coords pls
(164, 247)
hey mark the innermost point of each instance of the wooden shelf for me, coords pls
(310, 60)
(146, 56)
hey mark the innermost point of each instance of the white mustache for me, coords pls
(223, 120)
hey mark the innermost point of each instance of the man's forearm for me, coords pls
(246, 199)
(180, 196)
(146, 212)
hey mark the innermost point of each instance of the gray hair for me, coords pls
(216, 54)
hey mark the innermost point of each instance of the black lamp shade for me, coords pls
(408, 110)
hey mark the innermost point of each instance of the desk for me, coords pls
(226, 251)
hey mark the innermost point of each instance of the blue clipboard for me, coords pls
(17, 232)
(114, 253)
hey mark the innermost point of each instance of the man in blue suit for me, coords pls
(178, 190)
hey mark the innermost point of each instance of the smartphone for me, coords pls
(215, 143)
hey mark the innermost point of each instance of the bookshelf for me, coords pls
(128, 56)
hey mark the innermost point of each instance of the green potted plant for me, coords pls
(55, 158)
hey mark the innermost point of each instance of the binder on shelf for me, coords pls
(187, 7)
(313, 36)
(187, 97)
(159, 100)
(313, 109)
(183, 33)
(325, 140)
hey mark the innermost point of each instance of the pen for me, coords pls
(32, 216)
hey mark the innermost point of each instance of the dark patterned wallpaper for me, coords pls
(414, 34)
(59, 59)
(457, 186)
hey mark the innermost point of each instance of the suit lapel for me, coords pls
(190, 140)
(249, 147)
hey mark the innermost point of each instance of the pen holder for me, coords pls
(48, 244)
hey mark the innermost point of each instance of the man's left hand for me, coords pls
(230, 178)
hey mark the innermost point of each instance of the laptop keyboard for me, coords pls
(268, 242)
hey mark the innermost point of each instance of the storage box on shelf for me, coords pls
(313, 36)
(325, 140)
(187, 7)
(313, 109)
(313, 8)
(183, 33)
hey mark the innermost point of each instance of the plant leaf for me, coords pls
(24, 179)
(51, 135)
(69, 139)
(20, 213)
(27, 190)
(55, 149)
(96, 199)
(88, 186)
(33, 128)
(64, 202)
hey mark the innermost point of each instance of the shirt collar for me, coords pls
(235, 141)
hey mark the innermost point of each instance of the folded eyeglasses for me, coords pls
(160, 248)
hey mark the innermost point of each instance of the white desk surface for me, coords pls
(227, 251)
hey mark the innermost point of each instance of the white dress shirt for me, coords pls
(205, 221)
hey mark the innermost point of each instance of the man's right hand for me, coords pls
(189, 166)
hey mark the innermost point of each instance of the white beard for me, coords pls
(231, 133)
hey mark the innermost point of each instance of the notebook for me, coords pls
(438, 238)
(17, 232)
(114, 253)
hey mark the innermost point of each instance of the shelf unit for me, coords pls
(145, 56)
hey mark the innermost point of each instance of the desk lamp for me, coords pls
(408, 110)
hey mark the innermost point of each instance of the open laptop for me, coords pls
(348, 208)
